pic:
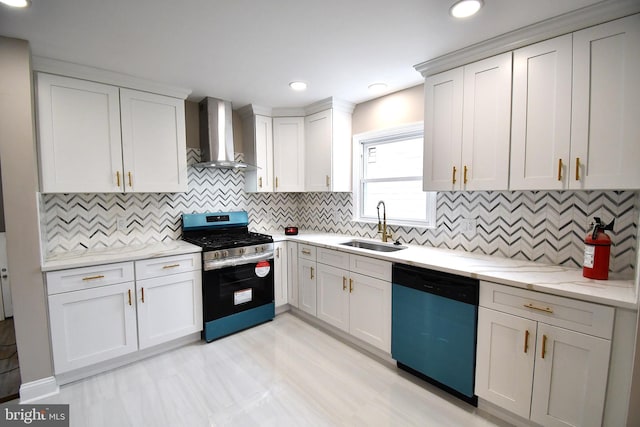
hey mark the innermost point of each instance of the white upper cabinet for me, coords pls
(257, 135)
(328, 147)
(541, 116)
(288, 154)
(79, 136)
(97, 138)
(467, 127)
(153, 142)
(605, 129)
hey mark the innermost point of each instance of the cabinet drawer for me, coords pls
(580, 316)
(371, 267)
(306, 252)
(75, 279)
(332, 257)
(165, 266)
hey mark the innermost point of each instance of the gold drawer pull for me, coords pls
(129, 292)
(526, 340)
(118, 178)
(306, 252)
(533, 307)
(344, 283)
(577, 168)
(260, 182)
(453, 177)
(276, 182)
(171, 266)
(142, 290)
(544, 345)
(560, 170)
(465, 174)
(350, 285)
(311, 272)
(93, 277)
(130, 179)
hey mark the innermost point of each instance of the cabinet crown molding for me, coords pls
(84, 72)
(563, 24)
(328, 103)
(251, 110)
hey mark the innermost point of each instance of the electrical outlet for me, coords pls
(468, 226)
(121, 224)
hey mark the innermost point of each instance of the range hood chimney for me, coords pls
(216, 136)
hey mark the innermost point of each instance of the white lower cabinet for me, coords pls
(359, 304)
(280, 273)
(542, 357)
(307, 278)
(101, 312)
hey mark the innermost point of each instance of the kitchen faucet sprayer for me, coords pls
(382, 226)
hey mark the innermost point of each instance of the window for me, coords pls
(388, 167)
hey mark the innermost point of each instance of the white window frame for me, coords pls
(382, 135)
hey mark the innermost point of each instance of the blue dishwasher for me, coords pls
(433, 329)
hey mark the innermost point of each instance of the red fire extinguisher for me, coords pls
(596, 251)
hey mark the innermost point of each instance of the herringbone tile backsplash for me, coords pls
(544, 226)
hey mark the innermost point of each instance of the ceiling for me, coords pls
(248, 51)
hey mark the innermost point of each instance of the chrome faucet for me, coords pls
(382, 226)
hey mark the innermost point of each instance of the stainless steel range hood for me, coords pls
(216, 136)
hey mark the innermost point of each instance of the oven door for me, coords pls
(238, 288)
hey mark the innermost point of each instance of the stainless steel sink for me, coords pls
(372, 246)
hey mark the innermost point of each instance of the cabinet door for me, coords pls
(169, 307)
(280, 281)
(79, 136)
(92, 325)
(486, 124)
(505, 358)
(292, 269)
(318, 129)
(288, 154)
(443, 131)
(333, 296)
(370, 310)
(605, 129)
(307, 286)
(570, 378)
(541, 122)
(264, 153)
(153, 142)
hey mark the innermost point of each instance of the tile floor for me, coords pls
(282, 373)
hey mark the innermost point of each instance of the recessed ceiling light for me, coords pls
(465, 8)
(377, 87)
(16, 3)
(298, 85)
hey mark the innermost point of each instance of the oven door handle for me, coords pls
(245, 259)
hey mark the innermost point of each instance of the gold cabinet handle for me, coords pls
(277, 252)
(312, 272)
(344, 283)
(577, 168)
(142, 291)
(544, 345)
(170, 266)
(130, 179)
(350, 285)
(129, 291)
(533, 307)
(453, 177)
(465, 174)
(276, 182)
(260, 182)
(328, 179)
(306, 252)
(526, 340)
(93, 277)
(118, 178)
(559, 169)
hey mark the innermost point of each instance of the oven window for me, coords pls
(234, 289)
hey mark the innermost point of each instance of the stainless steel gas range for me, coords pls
(237, 271)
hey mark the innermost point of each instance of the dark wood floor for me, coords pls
(9, 367)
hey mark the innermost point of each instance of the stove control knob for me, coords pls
(225, 253)
(216, 255)
(242, 250)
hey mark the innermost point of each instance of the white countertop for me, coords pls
(90, 257)
(552, 279)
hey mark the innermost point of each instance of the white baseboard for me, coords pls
(39, 389)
